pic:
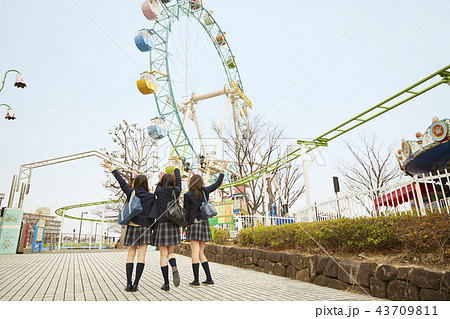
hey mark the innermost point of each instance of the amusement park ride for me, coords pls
(175, 108)
(429, 153)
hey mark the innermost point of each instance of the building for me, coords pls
(52, 223)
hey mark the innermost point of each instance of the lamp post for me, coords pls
(20, 83)
(81, 222)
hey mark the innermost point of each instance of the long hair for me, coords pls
(168, 181)
(196, 185)
(141, 180)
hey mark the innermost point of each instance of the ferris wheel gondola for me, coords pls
(150, 9)
(144, 40)
(157, 128)
(147, 83)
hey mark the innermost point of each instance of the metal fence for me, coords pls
(71, 240)
(420, 195)
(244, 221)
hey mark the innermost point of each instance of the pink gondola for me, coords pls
(150, 9)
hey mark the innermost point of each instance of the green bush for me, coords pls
(410, 233)
(221, 236)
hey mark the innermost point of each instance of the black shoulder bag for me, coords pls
(175, 213)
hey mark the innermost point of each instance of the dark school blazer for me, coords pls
(147, 200)
(192, 204)
(164, 196)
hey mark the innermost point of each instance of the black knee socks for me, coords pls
(139, 270)
(205, 266)
(173, 262)
(195, 268)
(165, 272)
(129, 267)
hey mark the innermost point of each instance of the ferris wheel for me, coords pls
(194, 79)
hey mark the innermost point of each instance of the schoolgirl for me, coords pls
(138, 234)
(166, 233)
(198, 231)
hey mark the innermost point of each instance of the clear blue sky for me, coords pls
(80, 83)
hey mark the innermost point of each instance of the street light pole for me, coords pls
(81, 222)
(95, 236)
(20, 83)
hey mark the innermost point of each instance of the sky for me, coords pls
(81, 83)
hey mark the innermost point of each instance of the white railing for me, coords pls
(419, 195)
(244, 221)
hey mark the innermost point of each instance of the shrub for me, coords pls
(428, 233)
(221, 236)
(411, 233)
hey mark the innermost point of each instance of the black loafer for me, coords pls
(208, 282)
(128, 288)
(194, 284)
(134, 288)
(165, 287)
(175, 276)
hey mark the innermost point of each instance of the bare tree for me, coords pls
(253, 150)
(288, 178)
(135, 148)
(373, 167)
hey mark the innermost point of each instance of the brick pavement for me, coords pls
(100, 275)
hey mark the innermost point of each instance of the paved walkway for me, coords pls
(100, 275)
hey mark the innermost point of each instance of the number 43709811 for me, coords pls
(406, 310)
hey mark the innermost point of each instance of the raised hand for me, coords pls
(106, 165)
(224, 166)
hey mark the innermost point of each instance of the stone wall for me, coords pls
(382, 281)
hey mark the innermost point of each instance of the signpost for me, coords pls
(38, 238)
(10, 230)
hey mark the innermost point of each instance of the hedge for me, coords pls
(428, 233)
(221, 236)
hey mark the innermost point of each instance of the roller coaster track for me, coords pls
(389, 104)
(62, 210)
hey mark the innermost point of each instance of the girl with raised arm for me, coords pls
(166, 234)
(138, 234)
(198, 231)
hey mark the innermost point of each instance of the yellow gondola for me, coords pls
(147, 83)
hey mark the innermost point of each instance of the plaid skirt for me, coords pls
(137, 235)
(166, 234)
(199, 231)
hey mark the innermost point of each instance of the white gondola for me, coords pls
(208, 18)
(157, 128)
